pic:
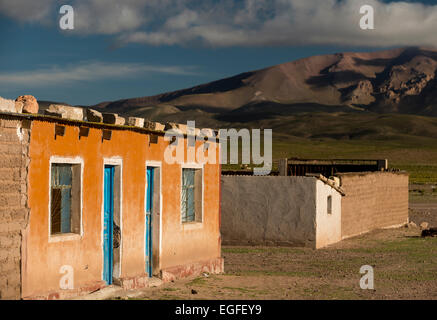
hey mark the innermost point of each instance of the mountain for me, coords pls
(378, 105)
(391, 81)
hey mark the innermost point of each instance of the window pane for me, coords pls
(329, 205)
(61, 198)
(65, 211)
(56, 211)
(198, 196)
(187, 195)
(188, 177)
(184, 204)
(190, 203)
(64, 175)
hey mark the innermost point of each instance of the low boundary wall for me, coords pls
(373, 200)
(265, 210)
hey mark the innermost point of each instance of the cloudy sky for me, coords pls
(130, 48)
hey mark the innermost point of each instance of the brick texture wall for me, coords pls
(373, 200)
(14, 144)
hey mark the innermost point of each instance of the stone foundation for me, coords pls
(138, 282)
(214, 266)
(68, 294)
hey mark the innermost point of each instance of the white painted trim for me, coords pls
(192, 165)
(154, 164)
(113, 161)
(192, 225)
(67, 236)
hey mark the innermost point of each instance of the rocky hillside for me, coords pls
(395, 81)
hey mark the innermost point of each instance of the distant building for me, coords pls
(312, 203)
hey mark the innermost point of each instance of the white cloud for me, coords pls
(108, 16)
(87, 72)
(223, 23)
(27, 10)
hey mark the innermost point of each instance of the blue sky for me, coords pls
(143, 48)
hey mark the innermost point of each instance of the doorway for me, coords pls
(152, 220)
(111, 224)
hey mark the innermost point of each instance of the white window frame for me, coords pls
(65, 236)
(193, 224)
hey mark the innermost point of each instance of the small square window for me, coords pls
(65, 199)
(191, 197)
(329, 205)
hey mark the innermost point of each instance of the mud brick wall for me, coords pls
(14, 145)
(373, 200)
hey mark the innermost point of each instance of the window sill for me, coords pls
(192, 225)
(65, 237)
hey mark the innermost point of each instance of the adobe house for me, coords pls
(302, 207)
(288, 211)
(89, 203)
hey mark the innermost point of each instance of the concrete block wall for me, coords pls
(373, 200)
(14, 211)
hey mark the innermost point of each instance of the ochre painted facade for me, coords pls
(193, 246)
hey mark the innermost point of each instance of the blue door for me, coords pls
(149, 208)
(108, 211)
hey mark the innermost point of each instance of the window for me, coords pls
(65, 199)
(329, 205)
(191, 198)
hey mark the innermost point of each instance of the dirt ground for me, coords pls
(405, 267)
(424, 212)
(423, 204)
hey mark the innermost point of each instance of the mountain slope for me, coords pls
(399, 80)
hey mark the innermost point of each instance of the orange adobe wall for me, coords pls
(184, 248)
